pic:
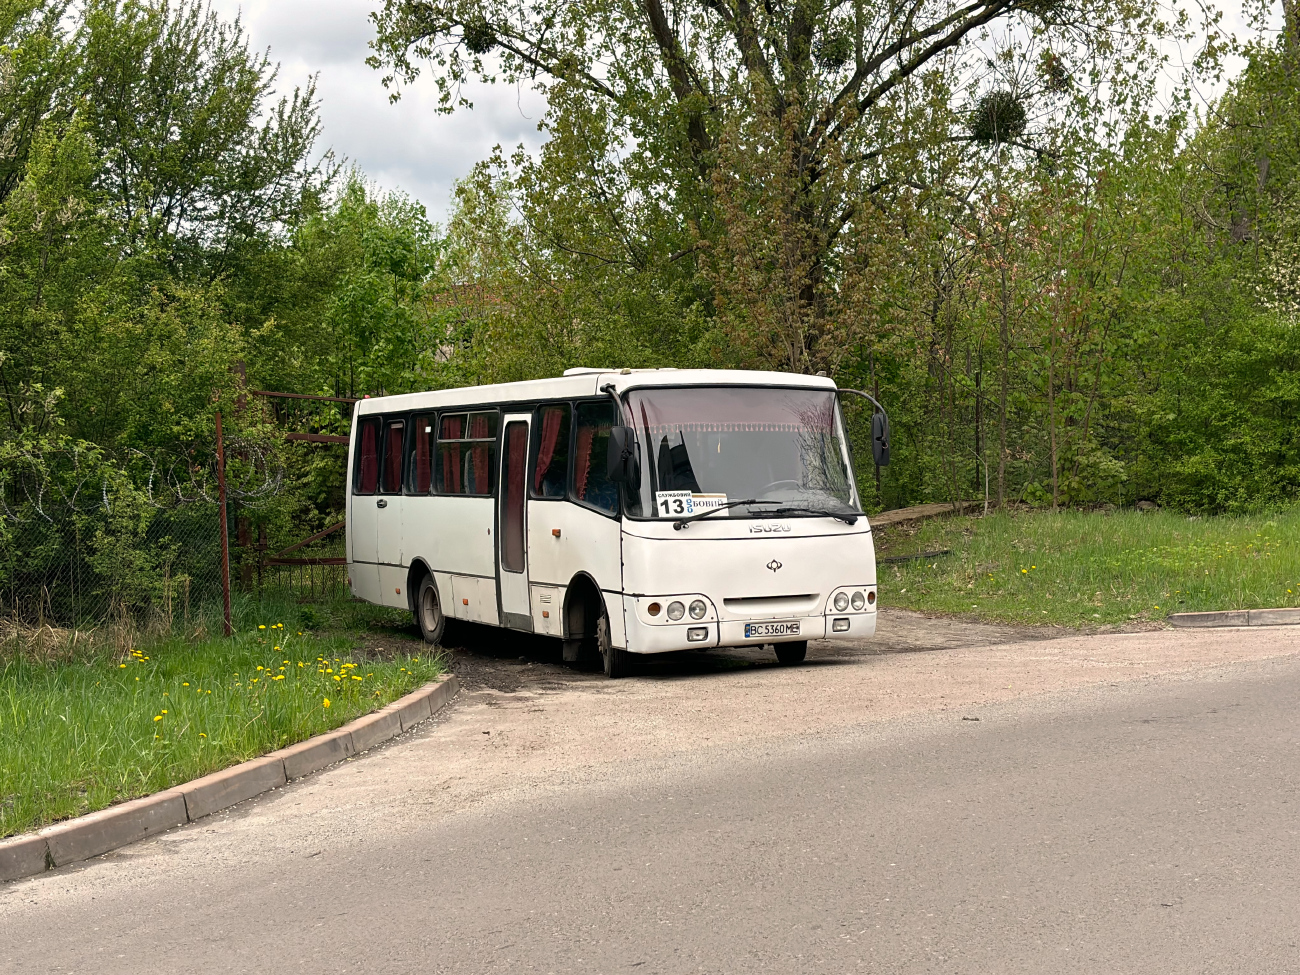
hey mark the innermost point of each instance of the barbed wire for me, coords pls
(46, 483)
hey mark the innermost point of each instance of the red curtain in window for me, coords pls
(368, 476)
(552, 417)
(393, 457)
(451, 483)
(582, 462)
(451, 427)
(478, 427)
(480, 475)
(423, 471)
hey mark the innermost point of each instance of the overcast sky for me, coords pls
(406, 146)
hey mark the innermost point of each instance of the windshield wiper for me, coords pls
(848, 517)
(681, 523)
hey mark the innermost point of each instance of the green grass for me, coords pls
(1094, 569)
(81, 734)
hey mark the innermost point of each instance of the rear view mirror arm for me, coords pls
(879, 428)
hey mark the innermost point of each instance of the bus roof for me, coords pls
(584, 382)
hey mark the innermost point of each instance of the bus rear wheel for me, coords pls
(791, 653)
(617, 661)
(428, 612)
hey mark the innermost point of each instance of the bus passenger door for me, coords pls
(512, 526)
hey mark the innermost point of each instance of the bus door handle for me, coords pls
(381, 503)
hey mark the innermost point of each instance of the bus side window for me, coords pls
(393, 443)
(423, 441)
(591, 483)
(550, 460)
(466, 451)
(366, 479)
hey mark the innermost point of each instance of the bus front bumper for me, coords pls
(708, 634)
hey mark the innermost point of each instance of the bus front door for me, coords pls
(512, 527)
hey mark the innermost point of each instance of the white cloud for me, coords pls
(407, 146)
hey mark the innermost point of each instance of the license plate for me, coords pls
(780, 628)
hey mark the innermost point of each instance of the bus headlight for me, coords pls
(676, 611)
(698, 609)
(841, 602)
(859, 601)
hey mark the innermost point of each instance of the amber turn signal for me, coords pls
(653, 609)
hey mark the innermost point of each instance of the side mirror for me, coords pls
(621, 462)
(880, 438)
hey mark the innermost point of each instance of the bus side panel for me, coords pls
(453, 537)
(587, 542)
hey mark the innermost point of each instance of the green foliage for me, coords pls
(80, 734)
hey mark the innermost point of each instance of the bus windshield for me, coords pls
(704, 447)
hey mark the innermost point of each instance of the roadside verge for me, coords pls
(100, 832)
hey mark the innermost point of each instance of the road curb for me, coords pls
(1238, 617)
(108, 829)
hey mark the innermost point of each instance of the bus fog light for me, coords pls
(841, 602)
(840, 626)
(871, 599)
(676, 610)
(859, 600)
(697, 634)
(698, 609)
(653, 609)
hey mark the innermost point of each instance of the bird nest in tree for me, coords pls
(999, 117)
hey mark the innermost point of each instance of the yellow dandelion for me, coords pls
(327, 702)
(123, 666)
(164, 710)
(337, 677)
(202, 735)
(185, 683)
(278, 677)
(261, 626)
(299, 663)
(157, 717)
(355, 677)
(259, 667)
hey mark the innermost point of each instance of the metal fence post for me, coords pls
(225, 534)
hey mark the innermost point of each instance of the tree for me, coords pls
(680, 132)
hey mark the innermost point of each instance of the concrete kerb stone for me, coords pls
(100, 832)
(89, 836)
(315, 754)
(223, 789)
(22, 856)
(1238, 617)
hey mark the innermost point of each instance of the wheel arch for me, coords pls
(582, 593)
(417, 571)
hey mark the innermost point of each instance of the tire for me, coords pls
(791, 653)
(618, 662)
(428, 612)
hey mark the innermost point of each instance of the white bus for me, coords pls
(624, 511)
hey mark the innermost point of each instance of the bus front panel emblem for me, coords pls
(774, 565)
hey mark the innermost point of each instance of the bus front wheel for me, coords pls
(618, 662)
(428, 612)
(791, 653)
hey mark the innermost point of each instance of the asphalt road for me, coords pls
(1146, 826)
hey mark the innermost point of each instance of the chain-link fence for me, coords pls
(86, 540)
